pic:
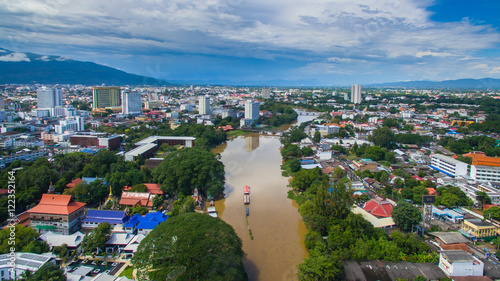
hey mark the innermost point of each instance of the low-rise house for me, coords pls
(132, 246)
(460, 263)
(117, 242)
(378, 207)
(73, 241)
(363, 165)
(22, 262)
(144, 225)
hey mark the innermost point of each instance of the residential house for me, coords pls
(460, 263)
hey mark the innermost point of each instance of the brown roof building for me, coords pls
(57, 213)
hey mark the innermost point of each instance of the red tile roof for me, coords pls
(73, 183)
(57, 205)
(378, 208)
(135, 198)
(432, 191)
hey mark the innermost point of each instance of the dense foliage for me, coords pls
(281, 114)
(26, 240)
(405, 215)
(95, 241)
(189, 168)
(48, 271)
(191, 246)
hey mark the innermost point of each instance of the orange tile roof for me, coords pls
(481, 160)
(57, 205)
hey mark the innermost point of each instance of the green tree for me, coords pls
(26, 240)
(61, 251)
(141, 210)
(95, 241)
(191, 246)
(383, 137)
(320, 266)
(184, 170)
(304, 178)
(158, 201)
(48, 271)
(493, 212)
(317, 136)
(294, 165)
(307, 151)
(405, 216)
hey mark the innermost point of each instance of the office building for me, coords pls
(131, 103)
(252, 109)
(448, 165)
(49, 97)
(356, 94)
(111, 142)
(460, 263)
(204, 105)
(74, 123)
(266, 93)
(103, 97)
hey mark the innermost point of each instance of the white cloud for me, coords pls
(44, 58)
(318, 33)
(14, 57)
(433, 54)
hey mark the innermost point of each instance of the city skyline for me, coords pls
(229, 42)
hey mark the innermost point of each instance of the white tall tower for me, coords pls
(356, 94)
(131, 103)
(252, 109)
(49, 97)
(204, 105)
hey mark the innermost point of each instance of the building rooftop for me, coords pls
(479, 223)
(457, 256)
(56, 204)
(448, 159)
(450, 237)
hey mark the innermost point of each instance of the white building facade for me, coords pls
(131, 103)
(356, 93)
(49, 97)
(448, 165)
(204, 105)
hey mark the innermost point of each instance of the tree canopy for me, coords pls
(189, 168)
(191, 246)
(26, 239)
(405, 215)
(383, 137)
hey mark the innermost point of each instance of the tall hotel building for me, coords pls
(103, 97)
(356, 93)
(204, 105)
(131, 103)
(252, 109)
(48, 97)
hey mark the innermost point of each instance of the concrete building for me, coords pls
(356, 93)
(12, 266)
(491, 191)
(252, 109)
(111, 142)
(103, 97)
(484, 168)
(59, 214)
(460, 263)
(148, 146)
(204, 106)
(448, 165)
(75, 123)
(49, 97)
(477, 229)
(131, 103)
(266, 93)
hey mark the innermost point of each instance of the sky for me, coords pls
(265, 42)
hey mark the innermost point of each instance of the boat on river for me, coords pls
(246, 189)
(246, 199)
(247, 210)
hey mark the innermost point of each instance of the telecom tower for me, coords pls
(428, 201)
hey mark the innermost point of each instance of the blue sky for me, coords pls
(295, 42)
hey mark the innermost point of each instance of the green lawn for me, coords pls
(128, 272)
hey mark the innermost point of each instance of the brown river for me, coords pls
(277, 228)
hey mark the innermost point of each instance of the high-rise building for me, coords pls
(204, 105)
(266, 93)
(252, 110)
(106, 97)
(356, 94)
(49, 97)
(75, 123)
(131, 103)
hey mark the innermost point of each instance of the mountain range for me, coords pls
(30, 68)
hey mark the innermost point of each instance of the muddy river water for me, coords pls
(277, 228)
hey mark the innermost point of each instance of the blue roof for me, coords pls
(151, 220)
(112, 217)
(105, 214)
(133, 221)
